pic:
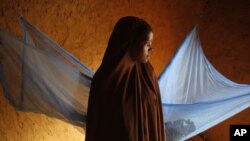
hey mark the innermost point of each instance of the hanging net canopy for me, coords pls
(38, 75)
(195, 96)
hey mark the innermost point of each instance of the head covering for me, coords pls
(124, 102)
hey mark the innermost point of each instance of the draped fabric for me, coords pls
(38, 75)
(124, 102)
(195, 96)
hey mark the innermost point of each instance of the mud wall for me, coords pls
(83, 27)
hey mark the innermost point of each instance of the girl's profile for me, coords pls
(124, 102)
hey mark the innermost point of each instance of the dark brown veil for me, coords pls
(124, 102)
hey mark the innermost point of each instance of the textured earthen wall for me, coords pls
(83, 27)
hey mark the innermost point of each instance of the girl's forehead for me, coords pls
(151, 35)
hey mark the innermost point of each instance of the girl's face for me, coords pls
(145, 50)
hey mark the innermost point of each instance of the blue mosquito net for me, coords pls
(38, 75)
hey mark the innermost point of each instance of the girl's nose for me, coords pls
(150, 50)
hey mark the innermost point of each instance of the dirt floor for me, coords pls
(83, 27)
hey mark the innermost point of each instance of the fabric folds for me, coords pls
(124, 102)
(195, 95)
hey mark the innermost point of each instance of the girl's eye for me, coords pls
(150, 49)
